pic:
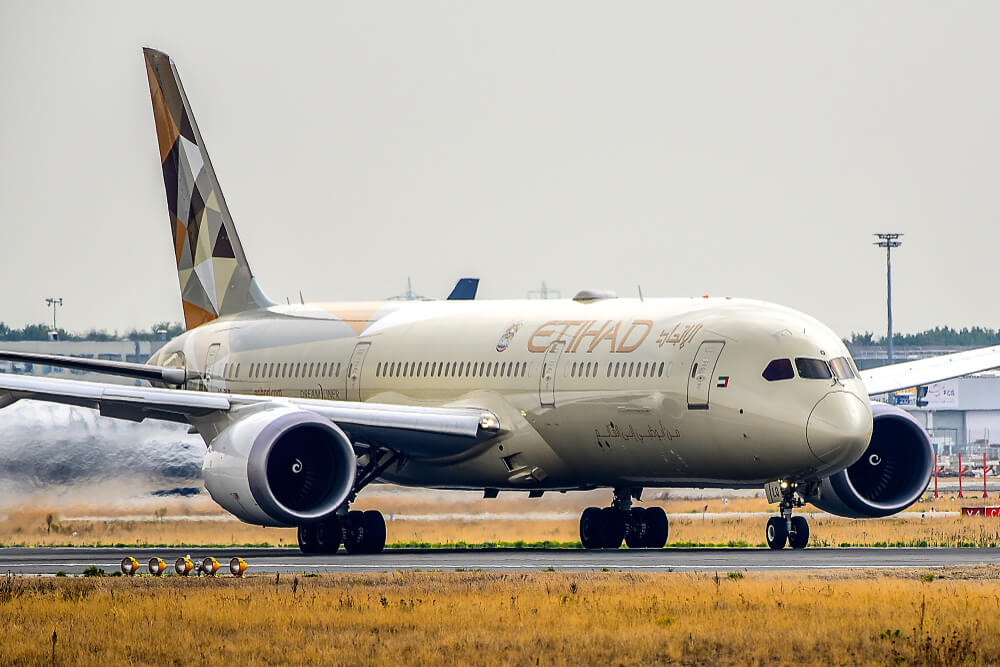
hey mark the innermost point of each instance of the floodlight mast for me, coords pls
(888, 241)
(54, 303)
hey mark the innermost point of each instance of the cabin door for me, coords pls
(354, 371)
(210, 359)
(547, 381)
(702, 374)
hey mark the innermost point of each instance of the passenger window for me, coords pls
(631, 368)
(779, 369)
(572, 372)
(842, 368)
(645, 369)
(237, 370)
(338, 369)
(813, 369)
(660, 374)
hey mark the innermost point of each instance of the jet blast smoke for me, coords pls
(44, 447)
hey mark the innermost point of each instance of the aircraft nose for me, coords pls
(839, 428)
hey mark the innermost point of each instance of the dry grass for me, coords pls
(497, 619)
(30, 526)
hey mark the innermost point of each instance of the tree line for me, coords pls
(938, 336)
(41, 332)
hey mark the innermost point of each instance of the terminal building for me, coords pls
(962, 415)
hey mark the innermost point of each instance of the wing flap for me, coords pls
(896, 377)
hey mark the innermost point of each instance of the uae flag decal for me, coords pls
(723, 381)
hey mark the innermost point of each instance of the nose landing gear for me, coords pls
(793, 530)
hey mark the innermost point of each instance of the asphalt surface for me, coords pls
(39, 561)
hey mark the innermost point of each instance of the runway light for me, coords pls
(784, 484)
(129, 566)
(157, 566)
(210, 566)
(237, 566)
(183, 566)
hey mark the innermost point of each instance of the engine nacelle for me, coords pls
(280, 467)
(889, 477)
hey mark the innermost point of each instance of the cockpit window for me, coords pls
(813, 369)
(779, 369)
(842, 368)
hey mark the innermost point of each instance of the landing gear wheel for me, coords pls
(374, 526)
(777, 532)
(328, 534)
(636, 528)
(614, 527)
(354, 532)
(591, 528)
(365, 532)
(657, 528)
(798, 538)
(307, 539)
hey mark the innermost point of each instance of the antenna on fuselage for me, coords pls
(640, 293)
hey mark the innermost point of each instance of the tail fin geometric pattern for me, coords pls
(215, 278)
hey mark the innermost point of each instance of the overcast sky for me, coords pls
(690, 148)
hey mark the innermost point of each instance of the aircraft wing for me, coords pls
(925, 371)
(412, 430)
(106, 366)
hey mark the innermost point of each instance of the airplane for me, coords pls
(302, 406)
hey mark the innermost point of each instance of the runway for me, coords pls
(42, 561)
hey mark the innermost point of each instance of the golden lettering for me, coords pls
(544, 332)
(636, 323)
(611, 333)
(586, 331)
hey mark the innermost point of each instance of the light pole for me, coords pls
(54, 304)
(888, 241)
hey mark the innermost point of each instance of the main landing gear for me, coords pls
(359, 532)
(639, 527)
(793, 530)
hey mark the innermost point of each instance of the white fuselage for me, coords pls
(607, 392)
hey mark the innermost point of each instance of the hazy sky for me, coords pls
(694, 148)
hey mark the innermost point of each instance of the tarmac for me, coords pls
(49, 561)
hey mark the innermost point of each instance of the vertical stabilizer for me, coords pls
(214, 275)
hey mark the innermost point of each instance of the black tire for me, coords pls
(328, 535)
(307, 539)
(374, 532)
(354, 533)
(636, 528)
(799, 537)
(776, 532)
(592, 528)
(614, 527)
(657, 528)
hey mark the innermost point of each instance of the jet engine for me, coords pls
(889, 477)
(280, 467)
